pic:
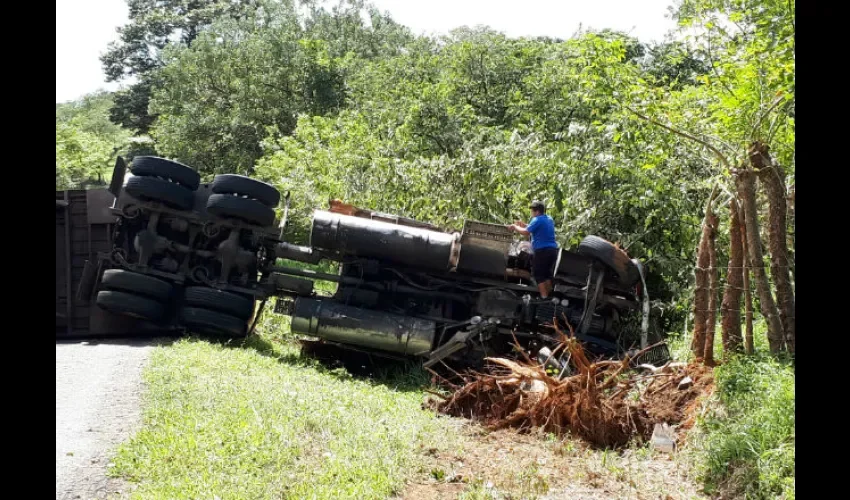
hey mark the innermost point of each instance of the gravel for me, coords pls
(98, 385)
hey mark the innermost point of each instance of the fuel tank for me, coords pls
(406, 245)
(336, 322)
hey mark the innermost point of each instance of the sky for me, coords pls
(84, 28)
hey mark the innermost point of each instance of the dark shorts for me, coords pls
(543, 264)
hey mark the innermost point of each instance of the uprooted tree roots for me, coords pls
(603, 402)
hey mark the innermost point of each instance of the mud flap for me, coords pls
(87, 282)
(118, 173)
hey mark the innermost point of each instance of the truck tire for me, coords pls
(246, 186)
(129, 304)
(152, 166)
(139, 284)
(616, 259)
(211, 322)
(161, 190)
(246, 209)
(220, 301)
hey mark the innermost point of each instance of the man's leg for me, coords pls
(544, 287)
(544, 272)
(550, 272)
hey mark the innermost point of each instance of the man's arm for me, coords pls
(521, 228)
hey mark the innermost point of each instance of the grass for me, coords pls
(260, 421)
(225, 422)
(745, 445)
(478, 490)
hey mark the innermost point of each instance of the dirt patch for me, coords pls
(511, 464)
(678, 406)
(433, 490)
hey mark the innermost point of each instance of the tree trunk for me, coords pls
(772, 177)
(747, 194)
(701, 287)
(792, 240)
(713, 278)
(749, 348)
(730, 308)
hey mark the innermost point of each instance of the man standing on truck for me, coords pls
(542, 232)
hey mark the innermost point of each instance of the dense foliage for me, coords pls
(87, 143)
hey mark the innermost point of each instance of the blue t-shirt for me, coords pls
(542, 229)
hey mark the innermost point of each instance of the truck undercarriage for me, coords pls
(159, 251)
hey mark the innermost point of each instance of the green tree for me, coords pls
(87, 142)
(218, 98)
(153, 25)
(82, 158)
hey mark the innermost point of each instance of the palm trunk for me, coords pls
(749, 348)
(730, 308)
(772, 177)
(701, 287)
(713, 278)
(747, 194)
(792, 240)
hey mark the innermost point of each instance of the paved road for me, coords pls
(97, 407)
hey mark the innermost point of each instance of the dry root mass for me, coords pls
(604, 402)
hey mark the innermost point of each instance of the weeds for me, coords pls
(746, 447)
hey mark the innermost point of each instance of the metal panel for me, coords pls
(98, 203)
(82, 231)
(484, 248)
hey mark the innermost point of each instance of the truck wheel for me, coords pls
(211, 322)
(246, 209)
(245, 186)
(221, 301)
(161, 190)
(152, 166)
(140, 284)
(129, 304)
(616, 259)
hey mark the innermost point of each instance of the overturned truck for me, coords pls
(160, 251)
